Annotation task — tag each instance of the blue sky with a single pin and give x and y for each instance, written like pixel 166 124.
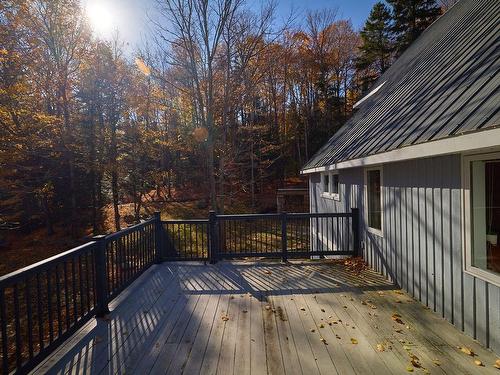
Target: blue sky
pixel 130 18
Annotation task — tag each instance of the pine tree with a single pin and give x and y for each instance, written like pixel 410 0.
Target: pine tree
pixel 411 18
pixel 377 43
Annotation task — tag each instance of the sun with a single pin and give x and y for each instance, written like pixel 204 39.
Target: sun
pixel 101 17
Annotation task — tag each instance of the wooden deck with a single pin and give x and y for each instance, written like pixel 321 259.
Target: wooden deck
pixel 258 318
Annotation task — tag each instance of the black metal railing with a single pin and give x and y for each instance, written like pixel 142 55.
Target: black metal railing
pixel 284 235
pixel 43 304
pixel 186 239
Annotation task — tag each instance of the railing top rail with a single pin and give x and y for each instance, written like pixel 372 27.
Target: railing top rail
pixel 277 215
pixel 189 221
pixel 125 231
pixel 20 274
pixel 325 214
pixel 246 216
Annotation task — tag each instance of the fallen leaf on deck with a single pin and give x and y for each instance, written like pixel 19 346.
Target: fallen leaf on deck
pixel 244 311
pixel 467 350
pixel 397 318
pixel 363 303
pixel 380 348
pixel 225 318
pixel 345 307
pixel 323 341
pixel 303 308
pixel 322 310
pixel 398 292
pixel 268 307
pixel 321 326
pixel 436 362
pixel 268 272
pixel 337 336
pixel 313 330
pixel 354 341
pixel 232 297
pixel 399 330
pixel 409 368
pixel 477 362
pixel 497 364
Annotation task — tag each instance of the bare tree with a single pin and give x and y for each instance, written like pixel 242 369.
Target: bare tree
pixel 191 31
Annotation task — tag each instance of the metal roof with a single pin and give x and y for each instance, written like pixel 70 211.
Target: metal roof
pixel 445 84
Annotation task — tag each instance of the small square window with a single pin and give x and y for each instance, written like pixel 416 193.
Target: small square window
pixel 330 185
pixel 326 183
pixel 334 189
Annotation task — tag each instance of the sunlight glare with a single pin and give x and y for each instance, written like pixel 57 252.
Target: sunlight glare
pixel 102 18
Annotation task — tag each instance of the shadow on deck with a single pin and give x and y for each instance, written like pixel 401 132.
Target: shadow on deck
pixel 257 318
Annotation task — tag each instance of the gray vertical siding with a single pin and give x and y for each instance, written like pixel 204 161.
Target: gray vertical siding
pixel 421 247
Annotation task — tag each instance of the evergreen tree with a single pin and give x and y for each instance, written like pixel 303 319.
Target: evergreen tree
pixel 377 44
pixel 411 18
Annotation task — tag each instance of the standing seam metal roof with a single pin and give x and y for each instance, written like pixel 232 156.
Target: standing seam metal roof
pixel 445 84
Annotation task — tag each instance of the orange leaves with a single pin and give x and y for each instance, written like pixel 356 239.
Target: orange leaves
pixel 141 65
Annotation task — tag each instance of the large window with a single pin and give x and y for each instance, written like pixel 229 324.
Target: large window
pixel 483 214
pixel 330 185
pixel 374 199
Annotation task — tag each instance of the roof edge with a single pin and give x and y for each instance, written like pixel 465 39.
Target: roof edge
pixel 477 140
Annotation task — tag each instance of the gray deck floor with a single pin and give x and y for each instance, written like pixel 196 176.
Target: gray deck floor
pixel 258 318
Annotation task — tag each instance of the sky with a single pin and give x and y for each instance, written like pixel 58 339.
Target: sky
pixel 130 17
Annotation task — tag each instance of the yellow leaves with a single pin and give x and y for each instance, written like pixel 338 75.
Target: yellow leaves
pixel 380 348
pixel 141 65
pixel 497 364
pixel 354 341
pixel 323 341
pixel 225 317
pixel 467 350
pixel 477 362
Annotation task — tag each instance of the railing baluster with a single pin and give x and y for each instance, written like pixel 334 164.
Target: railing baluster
pixel 49 305
pixel 3 328
pixel 73 290
pixel 39 311
pixel 19 350
pixel 80 279
pixel 58 301
pixel 66 295
pixel 87 281
pixel 29 316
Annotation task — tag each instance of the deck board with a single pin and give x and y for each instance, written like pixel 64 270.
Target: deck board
pixel 172 320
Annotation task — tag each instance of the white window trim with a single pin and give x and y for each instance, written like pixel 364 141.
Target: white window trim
pixel 328 195
pixel 378 232
pixel 468 268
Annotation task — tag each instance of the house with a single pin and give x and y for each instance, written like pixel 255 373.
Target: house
pixel 420 159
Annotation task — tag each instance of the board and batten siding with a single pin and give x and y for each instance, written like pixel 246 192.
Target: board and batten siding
pixel 421 246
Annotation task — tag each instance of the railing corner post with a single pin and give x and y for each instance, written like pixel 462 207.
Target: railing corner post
pixel 213 238
pixel 159 258
pixel 355 231
pixel 101 279
pixel 284 244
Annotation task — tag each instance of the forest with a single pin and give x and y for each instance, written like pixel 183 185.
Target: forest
pixel 220 105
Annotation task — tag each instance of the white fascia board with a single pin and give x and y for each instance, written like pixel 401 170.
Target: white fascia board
pixel 462 143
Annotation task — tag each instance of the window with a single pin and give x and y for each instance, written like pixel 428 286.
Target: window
pixel 374 200
pixel 482 193
pixel 330 185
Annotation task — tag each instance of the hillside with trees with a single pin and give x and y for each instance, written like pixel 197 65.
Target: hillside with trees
pixel 219 108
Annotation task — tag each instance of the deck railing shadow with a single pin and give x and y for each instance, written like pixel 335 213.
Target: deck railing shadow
pixel 267 279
